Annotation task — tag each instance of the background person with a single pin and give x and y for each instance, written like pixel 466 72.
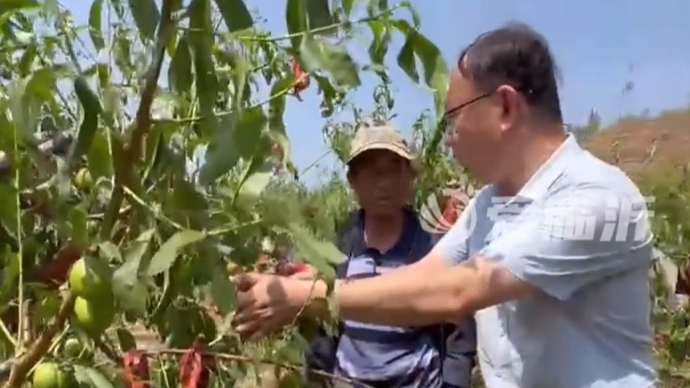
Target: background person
pixel 384 234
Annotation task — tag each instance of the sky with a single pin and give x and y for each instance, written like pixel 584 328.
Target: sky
pixel 600 47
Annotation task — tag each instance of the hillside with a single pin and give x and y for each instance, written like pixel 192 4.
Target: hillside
pixel 630 141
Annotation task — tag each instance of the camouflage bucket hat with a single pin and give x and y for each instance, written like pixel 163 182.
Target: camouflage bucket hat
pixel 379 138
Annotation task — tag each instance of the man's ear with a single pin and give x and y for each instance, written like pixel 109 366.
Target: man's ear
pixel 511 105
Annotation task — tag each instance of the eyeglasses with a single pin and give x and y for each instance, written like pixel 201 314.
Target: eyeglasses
pixel 451 113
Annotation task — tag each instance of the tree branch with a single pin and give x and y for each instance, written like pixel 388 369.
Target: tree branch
pixel 142 123
pixel 123 175
pixel 23 364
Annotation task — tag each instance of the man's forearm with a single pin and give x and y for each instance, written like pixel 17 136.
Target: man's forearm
pixel 405 297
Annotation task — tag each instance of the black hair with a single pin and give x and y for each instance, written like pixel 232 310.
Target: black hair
pixel 517 55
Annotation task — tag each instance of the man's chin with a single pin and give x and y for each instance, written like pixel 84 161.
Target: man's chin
pixel 384 208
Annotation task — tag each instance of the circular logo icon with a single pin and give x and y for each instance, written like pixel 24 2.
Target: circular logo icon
pixel 438 217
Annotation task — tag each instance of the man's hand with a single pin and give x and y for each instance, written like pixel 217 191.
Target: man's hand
pixel 297 270
pixel 267 303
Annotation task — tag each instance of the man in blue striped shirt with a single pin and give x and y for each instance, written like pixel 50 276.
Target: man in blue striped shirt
pixel 383 235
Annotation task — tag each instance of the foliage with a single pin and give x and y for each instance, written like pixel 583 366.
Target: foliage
pixel 95 163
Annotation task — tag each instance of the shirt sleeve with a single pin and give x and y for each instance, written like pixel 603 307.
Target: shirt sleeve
pixel 573 239
pixel 453 246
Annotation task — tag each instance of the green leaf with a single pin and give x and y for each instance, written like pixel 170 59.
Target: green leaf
pixel 130 296
pixel 319 14
pixel 134 266
pixel 201 45
pixel 252 187
pixel 167 253
pixel 240 70
pixel 223 290
pixel 17 5
pixel 416 19
pixel 126 340
pixel 128 283
pixel 109 251
pixel 27 60
pixel 95 30
pixel 330 97
pixel 112 105
pixel 247 132
pixel 180 70
pixel 276 110
pixel 24 106
pixel 296 20
pixel 10 273
pixel 322 255
pixel 146 17
pixel 318 55
pixel 347 6
pixel 91 377
pixel 235 14
pixel 219 158
pixel 41 88
pixel 92 109
pixel 406 58
pixel 435 70
pixel 100 161
pixel 380 43
pixel 9 212
pixel 435 67
pixel 80 234
pixel 231 143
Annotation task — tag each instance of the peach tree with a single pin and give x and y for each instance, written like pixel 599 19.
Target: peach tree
pixel 138 154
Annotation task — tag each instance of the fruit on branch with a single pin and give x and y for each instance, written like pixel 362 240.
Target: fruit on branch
pixel 94 316
pixel 195 367
pixel 136 369
pixel 83 179
pixel 55 272
pixel 302 79
pixel 290 269
pixel 73 348
pixel 49 375
pixel 89 278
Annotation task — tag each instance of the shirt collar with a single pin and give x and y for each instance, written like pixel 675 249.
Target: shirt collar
pixel 401 248
pixel 537 186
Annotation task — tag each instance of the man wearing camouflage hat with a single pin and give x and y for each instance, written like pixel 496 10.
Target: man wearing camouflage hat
pixel 383 234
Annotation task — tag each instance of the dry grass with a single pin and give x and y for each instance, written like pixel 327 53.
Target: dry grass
pixel 629 142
